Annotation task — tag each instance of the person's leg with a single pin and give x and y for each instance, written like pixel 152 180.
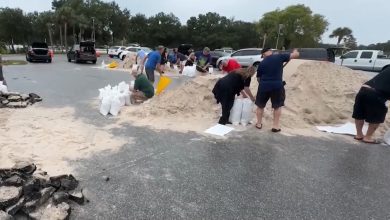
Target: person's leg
pixel 150 75
pixel 261 101
pixel 359 129
pixel 138 97
pixel 259 115
pixel 277 114
pixel 227 105
pixel 370 132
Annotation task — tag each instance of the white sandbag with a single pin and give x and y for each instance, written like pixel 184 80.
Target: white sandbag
pixel 122 86
pixel 105 105
pixel 211 70
pixel 132 85
pixel 189 71
pixel 247 114
pixel 236 112
pixel 122 98
pixel 115 105
pixel 3 88
pixel 387 137
pixel 127 98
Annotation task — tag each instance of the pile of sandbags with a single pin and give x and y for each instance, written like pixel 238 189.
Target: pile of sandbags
pixel 112 99
pixel 189 71
pixel 31 195
pixel 241 112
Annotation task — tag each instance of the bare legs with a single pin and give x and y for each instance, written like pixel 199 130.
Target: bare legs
pixel 277 114
pixel 370 131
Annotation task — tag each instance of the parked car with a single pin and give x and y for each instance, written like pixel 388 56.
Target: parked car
pixel 319 54
pixel 184 49
pixel 129 51
pixel 228 50
pixel 368 60
pixel 116 51
pixel 215 55
pixel 38 51
pixel 83 52
pixel 245 57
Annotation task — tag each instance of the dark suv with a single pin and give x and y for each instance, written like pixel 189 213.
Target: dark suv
pixel 38 52
pixel 83 52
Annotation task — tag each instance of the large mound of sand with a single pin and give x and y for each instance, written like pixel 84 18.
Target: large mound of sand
pixel 317 93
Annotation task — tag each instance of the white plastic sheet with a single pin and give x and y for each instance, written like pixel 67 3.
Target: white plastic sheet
pixel 386 138
pixel 219 130
pixel 247 113
pixel 3 88
pixel 347 128
pixel 236 112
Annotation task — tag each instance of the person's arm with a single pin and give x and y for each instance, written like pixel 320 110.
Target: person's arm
pixel 144 60
pixel 248 93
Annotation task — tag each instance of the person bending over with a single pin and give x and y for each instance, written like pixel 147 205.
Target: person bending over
pixel 271 85
pixel 143 88
pixel 191 60
pixel 226 89
pixel 370 106
pixel 152 60
pixel 204 60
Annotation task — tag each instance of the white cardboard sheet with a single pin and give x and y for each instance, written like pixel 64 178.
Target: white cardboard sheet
pixel 219 130
pixel 347 129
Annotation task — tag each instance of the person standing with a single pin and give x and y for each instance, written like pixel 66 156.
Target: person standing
pixel 226 89
pixel 153 63
pixel 370 106
pixel 141 54
pixel 271 85
pixel 204 60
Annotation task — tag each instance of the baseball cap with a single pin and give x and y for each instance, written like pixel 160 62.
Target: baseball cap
pixel 264 50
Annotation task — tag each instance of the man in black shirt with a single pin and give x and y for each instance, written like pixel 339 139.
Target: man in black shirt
pixel 370 105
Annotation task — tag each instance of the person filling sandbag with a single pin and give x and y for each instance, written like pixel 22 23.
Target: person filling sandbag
pixel 143 88
pixel 370 106
pixel 153 63
pixel 271 85
pixel 228 87
pixel 204 60
pixel 191 60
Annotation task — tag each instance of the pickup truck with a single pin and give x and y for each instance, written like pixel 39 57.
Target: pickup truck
pixel 367 60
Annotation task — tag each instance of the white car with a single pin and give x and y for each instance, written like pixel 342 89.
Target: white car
pixel 132 51
pixel 368 60
pixel 115 51
pixel 245 57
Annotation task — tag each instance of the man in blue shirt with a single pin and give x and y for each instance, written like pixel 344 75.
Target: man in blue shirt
pixel 153 63
pixel 271 85
pixel 204 60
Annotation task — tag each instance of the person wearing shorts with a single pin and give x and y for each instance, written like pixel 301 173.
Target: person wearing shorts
pixel 271 85
pixel 370 106
pixel 151 62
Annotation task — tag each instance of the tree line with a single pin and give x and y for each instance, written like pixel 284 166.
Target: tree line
pixel 71 21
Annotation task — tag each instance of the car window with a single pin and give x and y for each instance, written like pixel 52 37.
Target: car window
pixel 250 52
pixel 132 49
pixel 351 55
pixel 366 55
pixel 114 48
pixel 123 48
pixel 238 53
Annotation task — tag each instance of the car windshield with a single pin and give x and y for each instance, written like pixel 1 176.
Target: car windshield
pixel 114 48
pixel 39 45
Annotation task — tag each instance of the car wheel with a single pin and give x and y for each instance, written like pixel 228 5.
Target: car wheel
pixel 110 56
pixel 94 62
pixel 49 61
pixel 123 57
pixel 119 55
pixel 28 59
pixel 69 60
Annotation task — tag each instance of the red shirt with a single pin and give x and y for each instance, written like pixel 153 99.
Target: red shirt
pixel 231 66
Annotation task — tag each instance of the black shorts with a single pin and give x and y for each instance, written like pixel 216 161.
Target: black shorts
pixel 369 106
pixel 150 74
pixel 277 98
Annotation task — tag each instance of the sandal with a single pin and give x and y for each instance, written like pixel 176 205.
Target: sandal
pixel 358 139
pixel 259 127
pixel 276 130
pixel 371 142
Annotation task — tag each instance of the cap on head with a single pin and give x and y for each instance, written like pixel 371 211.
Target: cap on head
pixel 160 47
pixel 265 50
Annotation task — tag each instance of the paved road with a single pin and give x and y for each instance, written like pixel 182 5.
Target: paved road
pixel 170 175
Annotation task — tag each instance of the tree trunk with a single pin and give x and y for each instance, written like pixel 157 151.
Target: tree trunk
pixel 12 45
pixel 74 35
pixel 61 42
pixel 264 40
pixel 50 36
pixel 66 41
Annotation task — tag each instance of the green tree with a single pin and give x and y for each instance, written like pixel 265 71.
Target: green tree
pixel 165 29
pixel 341 33
pixel 14 26
pixel 298 25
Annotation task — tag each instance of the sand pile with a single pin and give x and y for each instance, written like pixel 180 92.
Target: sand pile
pixel 318 93
pixel 50 138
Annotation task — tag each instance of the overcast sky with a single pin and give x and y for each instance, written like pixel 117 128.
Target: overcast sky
pixel 367 18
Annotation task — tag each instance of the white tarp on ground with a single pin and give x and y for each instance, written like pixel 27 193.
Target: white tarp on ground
pixel 219 130
pixel 386 138
pixel 347 128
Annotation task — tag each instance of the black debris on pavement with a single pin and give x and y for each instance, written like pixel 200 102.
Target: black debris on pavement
pixel 16 100
pixel 23 192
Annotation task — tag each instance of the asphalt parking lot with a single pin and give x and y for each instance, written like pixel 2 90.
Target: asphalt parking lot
pixel 171 175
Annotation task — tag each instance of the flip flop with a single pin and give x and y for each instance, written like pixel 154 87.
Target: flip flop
pixel 276 130
pixel 259 127
pixel 358 139
pixel 371 142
